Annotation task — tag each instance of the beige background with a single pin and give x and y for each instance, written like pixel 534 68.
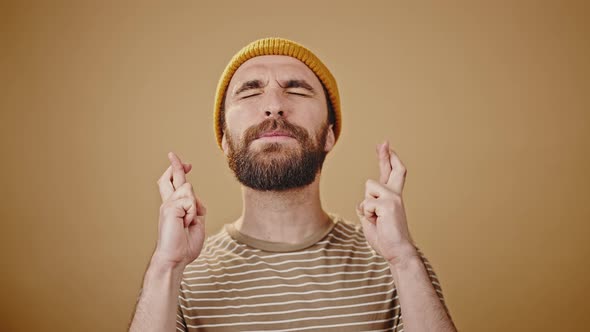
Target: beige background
pixel 487 104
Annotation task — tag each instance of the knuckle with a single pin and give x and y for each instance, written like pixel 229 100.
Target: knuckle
pixel 386 195
pixel 186 187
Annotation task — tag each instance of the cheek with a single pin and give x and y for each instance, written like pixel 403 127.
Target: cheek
pixel 313 116
pixel 238 120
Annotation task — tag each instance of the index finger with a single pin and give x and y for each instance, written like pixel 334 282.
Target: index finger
pixel 178 175
pixel 165 181
pixel 398 173
pixel 384 162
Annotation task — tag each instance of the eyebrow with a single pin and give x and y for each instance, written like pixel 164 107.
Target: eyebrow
pixel 257 84
pixel 249 85
pixel 299 84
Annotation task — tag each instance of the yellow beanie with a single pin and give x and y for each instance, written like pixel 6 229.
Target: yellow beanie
pixel 277 46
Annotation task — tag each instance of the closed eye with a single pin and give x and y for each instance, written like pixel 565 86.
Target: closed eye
pixel 299 94
pixel 252 95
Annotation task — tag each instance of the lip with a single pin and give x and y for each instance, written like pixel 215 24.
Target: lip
pixel 275 134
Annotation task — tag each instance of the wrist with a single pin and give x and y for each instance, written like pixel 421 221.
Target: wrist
pixel 405 256
pixel 404 265
pixel 159 264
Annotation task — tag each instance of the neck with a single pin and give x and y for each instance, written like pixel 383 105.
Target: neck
pixel 287 216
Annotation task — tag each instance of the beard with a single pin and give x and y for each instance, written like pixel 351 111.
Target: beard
pixel 277 166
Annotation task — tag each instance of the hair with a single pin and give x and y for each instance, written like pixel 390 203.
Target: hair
pixel 292 170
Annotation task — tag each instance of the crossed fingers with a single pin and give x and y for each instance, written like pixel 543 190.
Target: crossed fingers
pixel 381 196
pixel 173 177
pixel 392 170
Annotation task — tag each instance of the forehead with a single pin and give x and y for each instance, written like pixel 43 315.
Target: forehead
pixel 280 67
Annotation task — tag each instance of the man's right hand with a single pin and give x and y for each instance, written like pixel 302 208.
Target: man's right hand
pixel 181 227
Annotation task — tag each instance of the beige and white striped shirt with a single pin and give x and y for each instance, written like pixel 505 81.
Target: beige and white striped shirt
pixel 333 281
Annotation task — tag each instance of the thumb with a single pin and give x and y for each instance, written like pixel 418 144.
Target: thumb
pixel 359 210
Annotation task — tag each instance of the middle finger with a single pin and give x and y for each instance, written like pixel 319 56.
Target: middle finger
pixel 178 175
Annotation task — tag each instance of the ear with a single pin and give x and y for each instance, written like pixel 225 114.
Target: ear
pixel 224 144
pixel 330 139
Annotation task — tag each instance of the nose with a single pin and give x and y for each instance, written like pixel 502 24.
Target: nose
pixel 274 103
pixel 274 114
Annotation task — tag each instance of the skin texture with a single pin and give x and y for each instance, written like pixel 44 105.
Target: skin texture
pixel 286 216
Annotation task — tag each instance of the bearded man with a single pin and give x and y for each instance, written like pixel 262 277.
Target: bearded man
pixel 286 264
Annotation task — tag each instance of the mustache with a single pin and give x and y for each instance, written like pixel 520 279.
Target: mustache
pixel 273 124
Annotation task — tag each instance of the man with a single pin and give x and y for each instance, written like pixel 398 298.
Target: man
pixel 285 264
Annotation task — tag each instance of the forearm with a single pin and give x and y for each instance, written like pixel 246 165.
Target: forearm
pixel 421 307
pixel 157 305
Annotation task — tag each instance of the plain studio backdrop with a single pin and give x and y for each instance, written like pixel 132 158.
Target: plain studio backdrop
pixel 487 104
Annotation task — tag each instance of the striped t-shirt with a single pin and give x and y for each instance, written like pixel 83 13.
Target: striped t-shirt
pixel 332 281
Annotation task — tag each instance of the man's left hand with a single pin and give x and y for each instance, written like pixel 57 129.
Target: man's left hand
pixel 382 212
